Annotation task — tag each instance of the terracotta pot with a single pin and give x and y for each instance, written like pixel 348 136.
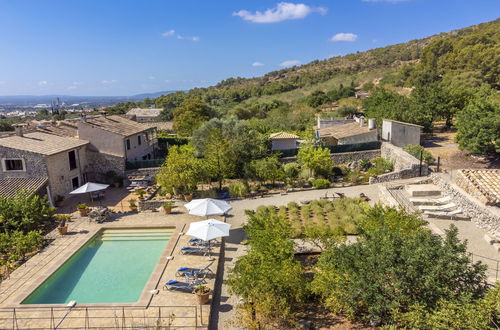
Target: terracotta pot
pixel 168 209
pixel 63 230
pixel 202 298
pixel 188 198
pixel 83 212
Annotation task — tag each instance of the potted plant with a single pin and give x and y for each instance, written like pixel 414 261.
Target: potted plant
pixel 63 226
pixel 132 204
pixel 83 209
pixel 140 193
pixel 167 206
pixel 202 293
pixel 58 200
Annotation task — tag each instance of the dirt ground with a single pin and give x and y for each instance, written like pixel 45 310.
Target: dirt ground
pixel 441 143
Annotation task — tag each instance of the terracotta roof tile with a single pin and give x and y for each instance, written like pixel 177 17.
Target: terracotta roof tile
pixel 342 131
pixel 283 135
pixel 117 124
pixel 41 143
pixel 10 186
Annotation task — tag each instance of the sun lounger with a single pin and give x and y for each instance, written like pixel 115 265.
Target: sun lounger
pixel 430 201
pixel 446 207
pixel 195 250
pixel 183 286
pixel 194 273
pixel 202 243
pixel 452 215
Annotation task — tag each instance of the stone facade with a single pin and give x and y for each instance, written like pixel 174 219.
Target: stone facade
pixel 405 165
pixel 479 214
pixel 343 157
pixel 35 165
pixel 54 167
pixel 150 205
pixel 102 162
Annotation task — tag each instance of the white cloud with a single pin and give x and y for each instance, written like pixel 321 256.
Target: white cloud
pixel 289 63
pixel 173 33
pixel 282 12
pixel 109 82
pixel 43 83
pixel 256 64
pixel 344 37
pixel 168 33
pixel 151 77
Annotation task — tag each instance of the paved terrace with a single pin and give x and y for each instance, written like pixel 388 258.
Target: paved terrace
pixel 25 279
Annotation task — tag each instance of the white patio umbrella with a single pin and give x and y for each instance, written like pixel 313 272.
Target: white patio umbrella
pixel 207 207
pixel 89 188
pixel 208 229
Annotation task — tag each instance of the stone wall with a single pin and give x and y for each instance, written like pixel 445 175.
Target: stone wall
pixel 405 165
pixel 35 164
pixel 101 163
pixel 343 157
pixel 479 214
pixel 150 205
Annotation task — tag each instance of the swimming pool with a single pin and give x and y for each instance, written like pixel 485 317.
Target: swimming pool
pixel 112 267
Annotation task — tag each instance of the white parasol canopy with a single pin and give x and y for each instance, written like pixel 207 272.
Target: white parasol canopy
pixel 208 229
pixel 89 187
pixel 207 207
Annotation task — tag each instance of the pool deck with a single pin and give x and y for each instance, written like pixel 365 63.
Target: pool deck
pixel 177 308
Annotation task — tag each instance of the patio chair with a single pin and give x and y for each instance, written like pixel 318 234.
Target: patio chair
pixel 200 242
pixel 452 215
pixel 430 201
pixel 195 273
pixel 183 286
pixel 204 250
pixel 446 207
pixel 364 197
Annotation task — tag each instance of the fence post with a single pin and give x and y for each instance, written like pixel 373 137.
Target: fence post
pixel 439 162
pixel 52 321
pixel 496 276
pixel 123 317
pixel 420 166
pixel 14 319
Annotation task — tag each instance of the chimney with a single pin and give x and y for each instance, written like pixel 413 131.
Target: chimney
pixel 19 129
pixel 361 122
pixel 371 124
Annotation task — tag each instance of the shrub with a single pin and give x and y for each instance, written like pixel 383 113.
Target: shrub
pixel 381 275
pixel 321 184
pixel 381 166
pixel 415 151
pixel 238 189
pixel 81 206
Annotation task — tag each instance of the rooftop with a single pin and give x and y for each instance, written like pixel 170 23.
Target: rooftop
pixel 117 124
pixel 487 182
pixel 10 186
pixel 144 112
pixel 41 143
pixel 283 135
pixel 61 128
pixel 342 131
pixel 403 123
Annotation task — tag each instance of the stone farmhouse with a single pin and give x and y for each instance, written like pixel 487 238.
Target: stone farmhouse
pixel 69 154
pixel 144 115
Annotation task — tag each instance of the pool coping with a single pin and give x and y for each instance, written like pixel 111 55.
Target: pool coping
pixel 147 293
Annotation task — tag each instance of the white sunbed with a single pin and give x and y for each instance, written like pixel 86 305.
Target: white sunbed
pixel 446 207
pixel 455 214
pixel 430 201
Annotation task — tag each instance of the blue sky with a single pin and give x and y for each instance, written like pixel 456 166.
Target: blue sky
pixel 124 47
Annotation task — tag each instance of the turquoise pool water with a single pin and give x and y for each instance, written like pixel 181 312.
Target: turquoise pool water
pixel 113 267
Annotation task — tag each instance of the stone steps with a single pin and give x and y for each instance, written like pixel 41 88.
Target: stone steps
pixel 422 190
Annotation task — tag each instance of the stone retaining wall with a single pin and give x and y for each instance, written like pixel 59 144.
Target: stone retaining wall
pixel 405 165
pixel 150 205
pixel 479 214
pixel 343 157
